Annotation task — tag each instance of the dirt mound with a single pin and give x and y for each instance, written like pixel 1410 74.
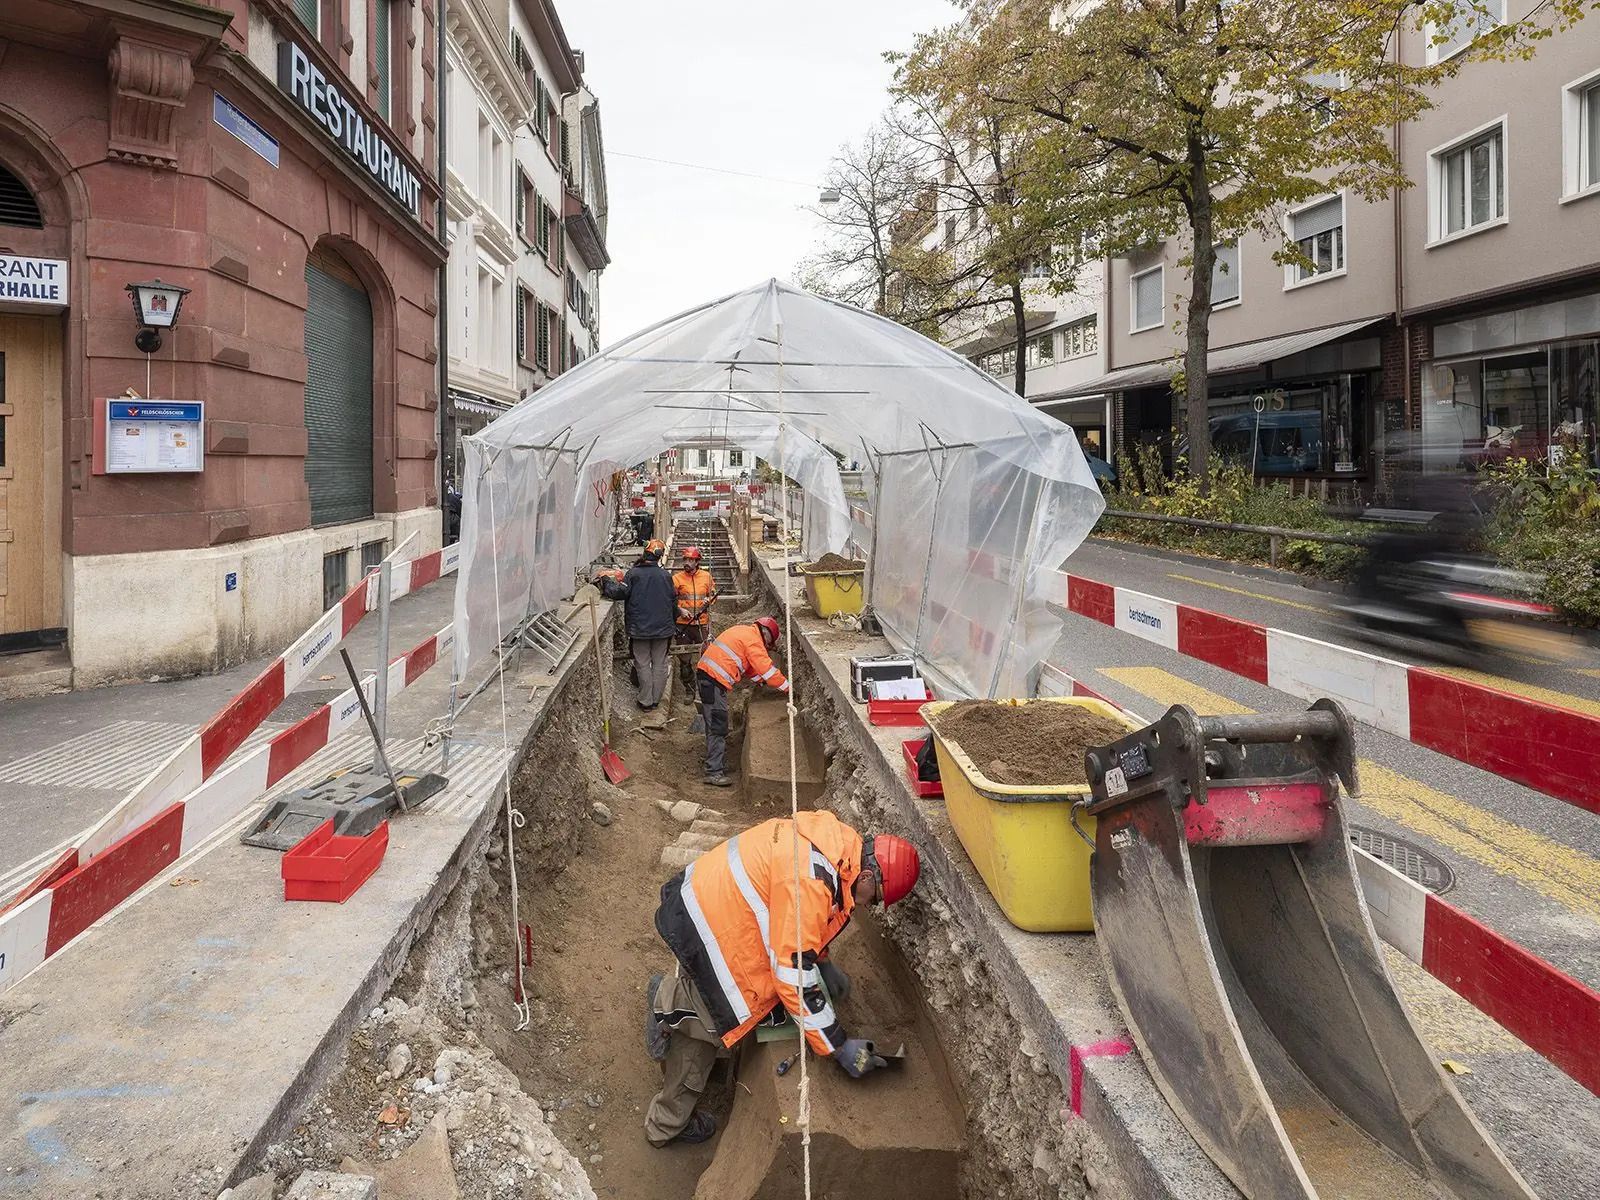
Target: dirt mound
pixel 835 562
pixel 1027 745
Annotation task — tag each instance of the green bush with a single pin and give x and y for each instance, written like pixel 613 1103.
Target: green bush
pixel 1232 495
pixel 1546 520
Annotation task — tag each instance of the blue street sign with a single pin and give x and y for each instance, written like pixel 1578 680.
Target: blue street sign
pixel 230 581
pixel 243 128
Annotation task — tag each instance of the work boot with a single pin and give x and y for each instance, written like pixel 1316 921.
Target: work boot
pixel 701 1127
pixel 718 781
pixel 656 1034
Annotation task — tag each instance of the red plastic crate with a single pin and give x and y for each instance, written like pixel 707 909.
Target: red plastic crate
pixel 326 867
pixel 897 712
pixel 921 786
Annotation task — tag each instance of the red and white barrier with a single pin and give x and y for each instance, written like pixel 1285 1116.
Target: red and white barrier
pixel 198 758
pixel 1555 1014
pixel 64 903
pixel 1552 1012
pixel 1553 750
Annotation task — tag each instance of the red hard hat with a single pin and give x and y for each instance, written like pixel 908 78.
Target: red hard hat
pixel 898 865
pixel 655 546
pixel 692 554
pixel 769 630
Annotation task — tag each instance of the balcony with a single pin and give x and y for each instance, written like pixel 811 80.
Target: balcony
pixel 584 232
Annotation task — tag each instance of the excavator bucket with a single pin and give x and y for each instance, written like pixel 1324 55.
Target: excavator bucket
pixel 1239 947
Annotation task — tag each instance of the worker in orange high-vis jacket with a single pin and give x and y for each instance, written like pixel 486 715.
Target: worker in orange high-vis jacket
pixel 696 592
pixel 751 939
pixel 738 652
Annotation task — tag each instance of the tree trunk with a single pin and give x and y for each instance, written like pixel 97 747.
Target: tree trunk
pixel 1019 314
pixel 1197 342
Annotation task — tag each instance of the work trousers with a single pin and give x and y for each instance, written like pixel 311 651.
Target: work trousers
pixel 650 664
pixel 689 635
pixel 714 708
pixel 692 1050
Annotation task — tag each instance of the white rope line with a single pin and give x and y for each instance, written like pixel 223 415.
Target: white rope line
pixel 514 819
pixel 794 783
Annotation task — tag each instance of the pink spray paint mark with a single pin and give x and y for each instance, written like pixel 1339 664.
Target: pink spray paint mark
pixel 1110 1048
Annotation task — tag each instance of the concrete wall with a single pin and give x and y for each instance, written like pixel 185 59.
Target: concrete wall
pixel 164 613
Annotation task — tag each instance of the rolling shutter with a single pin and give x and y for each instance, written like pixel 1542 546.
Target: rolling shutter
pixel 338 394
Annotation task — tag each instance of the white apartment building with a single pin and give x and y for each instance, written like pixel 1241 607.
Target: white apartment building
pixel 525 207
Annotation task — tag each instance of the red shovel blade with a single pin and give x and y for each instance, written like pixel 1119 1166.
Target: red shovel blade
pixel 613 766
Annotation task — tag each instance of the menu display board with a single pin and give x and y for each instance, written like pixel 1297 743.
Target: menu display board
pixel 150 436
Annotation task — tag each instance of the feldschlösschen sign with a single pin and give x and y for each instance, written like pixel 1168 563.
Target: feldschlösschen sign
pixel 339 118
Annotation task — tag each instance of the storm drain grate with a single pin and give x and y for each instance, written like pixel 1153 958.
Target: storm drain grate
pixel 1408 858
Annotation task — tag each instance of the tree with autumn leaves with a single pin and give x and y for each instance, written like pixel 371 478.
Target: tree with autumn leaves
pixel 1147 120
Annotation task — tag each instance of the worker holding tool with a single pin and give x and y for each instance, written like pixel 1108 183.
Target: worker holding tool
pixel 740 651
pixel 730 920
pixel 650 609
pixel 696 592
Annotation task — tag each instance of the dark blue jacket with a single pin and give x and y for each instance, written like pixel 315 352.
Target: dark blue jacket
pixel 651 604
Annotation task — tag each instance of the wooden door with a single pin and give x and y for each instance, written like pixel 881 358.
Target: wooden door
pixel 30 475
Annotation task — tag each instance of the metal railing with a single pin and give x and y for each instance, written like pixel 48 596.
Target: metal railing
pixel 1273 533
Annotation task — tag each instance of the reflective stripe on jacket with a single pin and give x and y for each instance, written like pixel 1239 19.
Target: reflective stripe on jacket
pixel 695 593
pixel 738 653
pixel 729 917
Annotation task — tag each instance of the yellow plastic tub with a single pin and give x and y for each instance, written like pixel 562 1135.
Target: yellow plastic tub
pixel 1021 838
pixel 830 592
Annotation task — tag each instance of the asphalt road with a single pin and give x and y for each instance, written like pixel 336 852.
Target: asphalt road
pixel 1526 864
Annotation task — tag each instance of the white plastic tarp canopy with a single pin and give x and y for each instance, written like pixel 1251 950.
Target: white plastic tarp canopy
pixel 978 497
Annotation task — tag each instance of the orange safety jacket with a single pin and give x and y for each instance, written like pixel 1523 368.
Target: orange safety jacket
pixel 695 594
pixel 740 652
pixel 729 917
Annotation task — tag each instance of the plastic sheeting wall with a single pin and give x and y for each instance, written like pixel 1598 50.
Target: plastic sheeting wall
pixel 978 496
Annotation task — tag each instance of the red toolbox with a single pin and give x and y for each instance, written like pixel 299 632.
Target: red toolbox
pixel 897 712
pixel 327 867
pixel 927 790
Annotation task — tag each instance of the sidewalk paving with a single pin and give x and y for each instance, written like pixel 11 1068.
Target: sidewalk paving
pixel 154 1055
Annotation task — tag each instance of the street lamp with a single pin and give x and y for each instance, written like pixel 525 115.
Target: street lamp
pixel 155 307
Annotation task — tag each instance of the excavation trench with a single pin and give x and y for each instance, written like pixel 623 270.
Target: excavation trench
pixel 539 1102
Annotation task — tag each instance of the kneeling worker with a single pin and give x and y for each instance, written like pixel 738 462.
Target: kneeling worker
pixel 740 651
pixel 729 918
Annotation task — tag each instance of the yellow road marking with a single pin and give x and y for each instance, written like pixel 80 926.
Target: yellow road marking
pixel 1591 672
pixel 1531 691
pixel 1222 587
pixel 1567 876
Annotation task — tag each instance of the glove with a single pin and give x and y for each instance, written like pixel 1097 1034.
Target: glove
pixel 857 1058
pixel 837 981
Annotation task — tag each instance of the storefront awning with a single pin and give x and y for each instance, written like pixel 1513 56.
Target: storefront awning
pixel 1246 356
pixel 473 403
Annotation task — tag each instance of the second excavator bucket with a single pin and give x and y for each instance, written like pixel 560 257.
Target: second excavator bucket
pixel 1232 926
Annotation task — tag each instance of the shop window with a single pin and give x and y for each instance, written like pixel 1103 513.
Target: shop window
pixel 1581 136
pixel 1317 232
pixel 1575 397
pixel 1467 181
pixel 1225 276
pixel 1445 41
pixel 17 205
pixel 1148 289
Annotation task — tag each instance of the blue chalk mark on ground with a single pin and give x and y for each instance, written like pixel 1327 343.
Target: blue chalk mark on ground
pixel 119 1091
pixel 47 1144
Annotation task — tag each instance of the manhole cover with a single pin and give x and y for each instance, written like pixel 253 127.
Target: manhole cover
pixel 298 705
pixel 1408 858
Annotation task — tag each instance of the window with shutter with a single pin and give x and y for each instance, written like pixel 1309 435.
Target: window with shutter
pixel 541 228
pixel 522 325
pixel 541 337
pixel 310 14
pixel 338 409
pixel 382 22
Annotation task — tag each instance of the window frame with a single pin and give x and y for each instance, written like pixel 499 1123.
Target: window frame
pixel 383 28
pixel 1292 277
pixel 1160 269
pixel 1438 232
pixel 1435 54
pixel 1236 274
pixel 1574 142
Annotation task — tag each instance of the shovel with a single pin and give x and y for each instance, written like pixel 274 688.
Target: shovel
pixel 610 761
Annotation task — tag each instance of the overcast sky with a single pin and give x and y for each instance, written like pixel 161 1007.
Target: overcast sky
pixel 767 87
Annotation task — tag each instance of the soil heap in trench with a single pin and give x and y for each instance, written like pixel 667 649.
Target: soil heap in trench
pixel 1027 745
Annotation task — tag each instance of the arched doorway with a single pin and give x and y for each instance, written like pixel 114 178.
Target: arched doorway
pixel 338 391
pixel 31 611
